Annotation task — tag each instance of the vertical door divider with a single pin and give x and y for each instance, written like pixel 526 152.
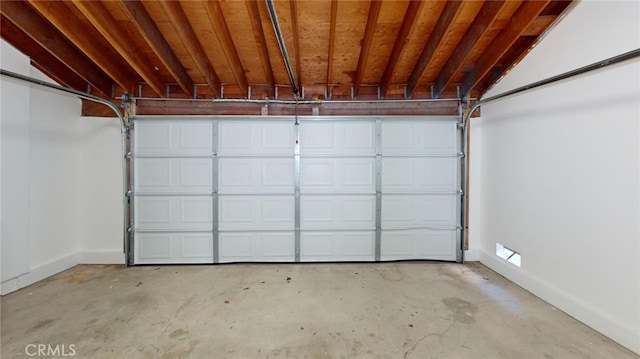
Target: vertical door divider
pixel 296 181
pixel 378 181
pixel 214 192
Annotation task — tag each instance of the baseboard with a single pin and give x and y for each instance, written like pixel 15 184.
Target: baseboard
pixel 625 335
pixel 58 265
pixel 101 257
pixel 39 273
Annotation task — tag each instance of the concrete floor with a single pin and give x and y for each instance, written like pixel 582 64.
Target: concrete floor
pixel 382 310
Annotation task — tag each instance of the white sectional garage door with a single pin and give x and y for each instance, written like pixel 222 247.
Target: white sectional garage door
pixel 221 189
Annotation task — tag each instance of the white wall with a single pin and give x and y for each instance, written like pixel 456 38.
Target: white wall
pixel 559 172
pixel 101 238
pixel 60 203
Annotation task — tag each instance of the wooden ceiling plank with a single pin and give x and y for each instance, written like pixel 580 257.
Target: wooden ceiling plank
pixel 105 23
pixel 332 45
pixel 58 14
pixel 524 16
pixel 370 29
pixel 42 32
pixel 478 28
pixel 261 42
pixel 295 30
pixel 40 57
pixel 445 21
pixel 183 27
pixel 148 29
pixel 406 29
pixel 222 30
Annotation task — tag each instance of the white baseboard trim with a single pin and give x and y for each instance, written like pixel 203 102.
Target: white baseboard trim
pixel 39 273
pixel 622 333
pixel 58 265
pixel 101 257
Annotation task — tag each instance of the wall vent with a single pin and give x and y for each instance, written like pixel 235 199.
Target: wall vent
pixel 508 254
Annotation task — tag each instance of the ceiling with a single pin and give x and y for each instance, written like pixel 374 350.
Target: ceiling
pixel 337 50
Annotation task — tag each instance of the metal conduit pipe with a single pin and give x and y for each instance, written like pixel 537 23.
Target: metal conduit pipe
pixel 298 102
pixel 123 130
pixel 467 118
pixel 283 48
pixel 83 95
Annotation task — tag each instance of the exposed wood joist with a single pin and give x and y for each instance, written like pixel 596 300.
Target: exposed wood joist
pixel 332 45
pixel 339 50
pixel 478 28
pixel 261 43
pixel 41 31
pixel 148 29
pixel 104 22
pixel 408 23
pixel 226 41
pixel 58 14
pixel 524 16
pixel 55 69
pixel 296 41
pixel 183 27
pixel 443 25
pixel 370 29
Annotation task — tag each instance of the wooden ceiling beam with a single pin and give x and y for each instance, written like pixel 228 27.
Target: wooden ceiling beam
pixel 58 14
pixel 295 31
pixel 524 16
pixel 445 21
pixel 42 32
pixel 261 43
pixel 406 29
pixel 183 27
pixel 105 23
pixel 476 30
pixel 370 29
pixel 148 29
pixel 332 44
pixel 40 57
pixel 228 47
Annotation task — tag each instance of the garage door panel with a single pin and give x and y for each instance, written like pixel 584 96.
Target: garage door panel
pixel 173 213
pixel 337 246
pixel 257 247
pixel 342 175
pixel 235 183
pixel 411 175
pixel 418 244
pixel 251 175
pixel 337 212
pixel 177 175
pixel 337 138
pixel 256 212
pixel 174 248
pixel 256 138
pixel 419 137
pixel 175 138
pixel 411 211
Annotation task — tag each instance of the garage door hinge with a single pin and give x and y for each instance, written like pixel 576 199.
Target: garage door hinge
pixel 129 155
pixel 461 154
pixel 460 191
pixel 130 230
pixel 129 193
pixel 460 125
